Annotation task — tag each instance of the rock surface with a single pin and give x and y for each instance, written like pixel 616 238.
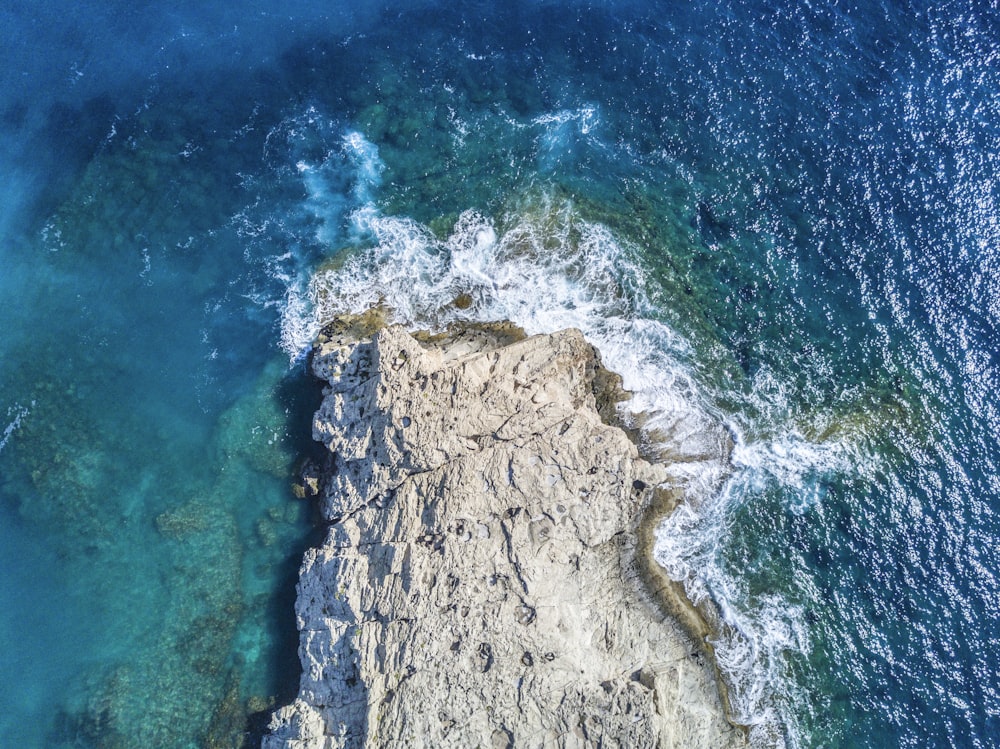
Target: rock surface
pixel 478 585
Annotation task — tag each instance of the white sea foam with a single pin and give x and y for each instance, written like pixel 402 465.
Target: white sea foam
pixel 16 414
pixel 368 167
pixel 544 269
pixel 562 129
pixel 339 171
pixel 790 461
pixel 585 118
pixel 756 640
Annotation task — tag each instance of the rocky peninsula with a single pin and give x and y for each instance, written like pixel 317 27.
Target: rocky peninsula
pixel 483 582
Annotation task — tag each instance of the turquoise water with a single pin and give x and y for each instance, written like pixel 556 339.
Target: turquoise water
pixel 778 218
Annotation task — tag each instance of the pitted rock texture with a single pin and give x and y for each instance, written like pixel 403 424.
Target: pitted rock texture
pixel 478 584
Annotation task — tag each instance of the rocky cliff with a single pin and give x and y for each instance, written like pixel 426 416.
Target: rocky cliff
pixel 479 583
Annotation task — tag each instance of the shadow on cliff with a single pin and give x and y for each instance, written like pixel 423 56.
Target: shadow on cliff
pixel 301 394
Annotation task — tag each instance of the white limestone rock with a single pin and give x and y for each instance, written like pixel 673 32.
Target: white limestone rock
pixel 478 583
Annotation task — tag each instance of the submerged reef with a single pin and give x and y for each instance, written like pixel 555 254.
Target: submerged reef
pixel 483 581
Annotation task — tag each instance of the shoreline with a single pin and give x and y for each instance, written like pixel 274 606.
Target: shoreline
pixel 653 583
pixel 669 596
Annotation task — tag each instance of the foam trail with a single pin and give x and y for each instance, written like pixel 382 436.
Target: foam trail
pixel 19 413
pixel 336 180
pixel 562 129
pixel 368 166
pixel 339 182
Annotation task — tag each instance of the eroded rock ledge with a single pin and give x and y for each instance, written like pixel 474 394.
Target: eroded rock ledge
pixel 478 585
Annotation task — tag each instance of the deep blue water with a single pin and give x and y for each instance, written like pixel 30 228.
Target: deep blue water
pixel 779 217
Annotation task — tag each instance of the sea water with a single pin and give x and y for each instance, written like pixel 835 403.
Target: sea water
pixel 777 219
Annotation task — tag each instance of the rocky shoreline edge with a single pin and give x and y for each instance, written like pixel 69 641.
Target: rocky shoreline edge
pixel 487 578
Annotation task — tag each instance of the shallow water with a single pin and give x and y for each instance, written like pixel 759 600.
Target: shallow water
pixel 780 220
